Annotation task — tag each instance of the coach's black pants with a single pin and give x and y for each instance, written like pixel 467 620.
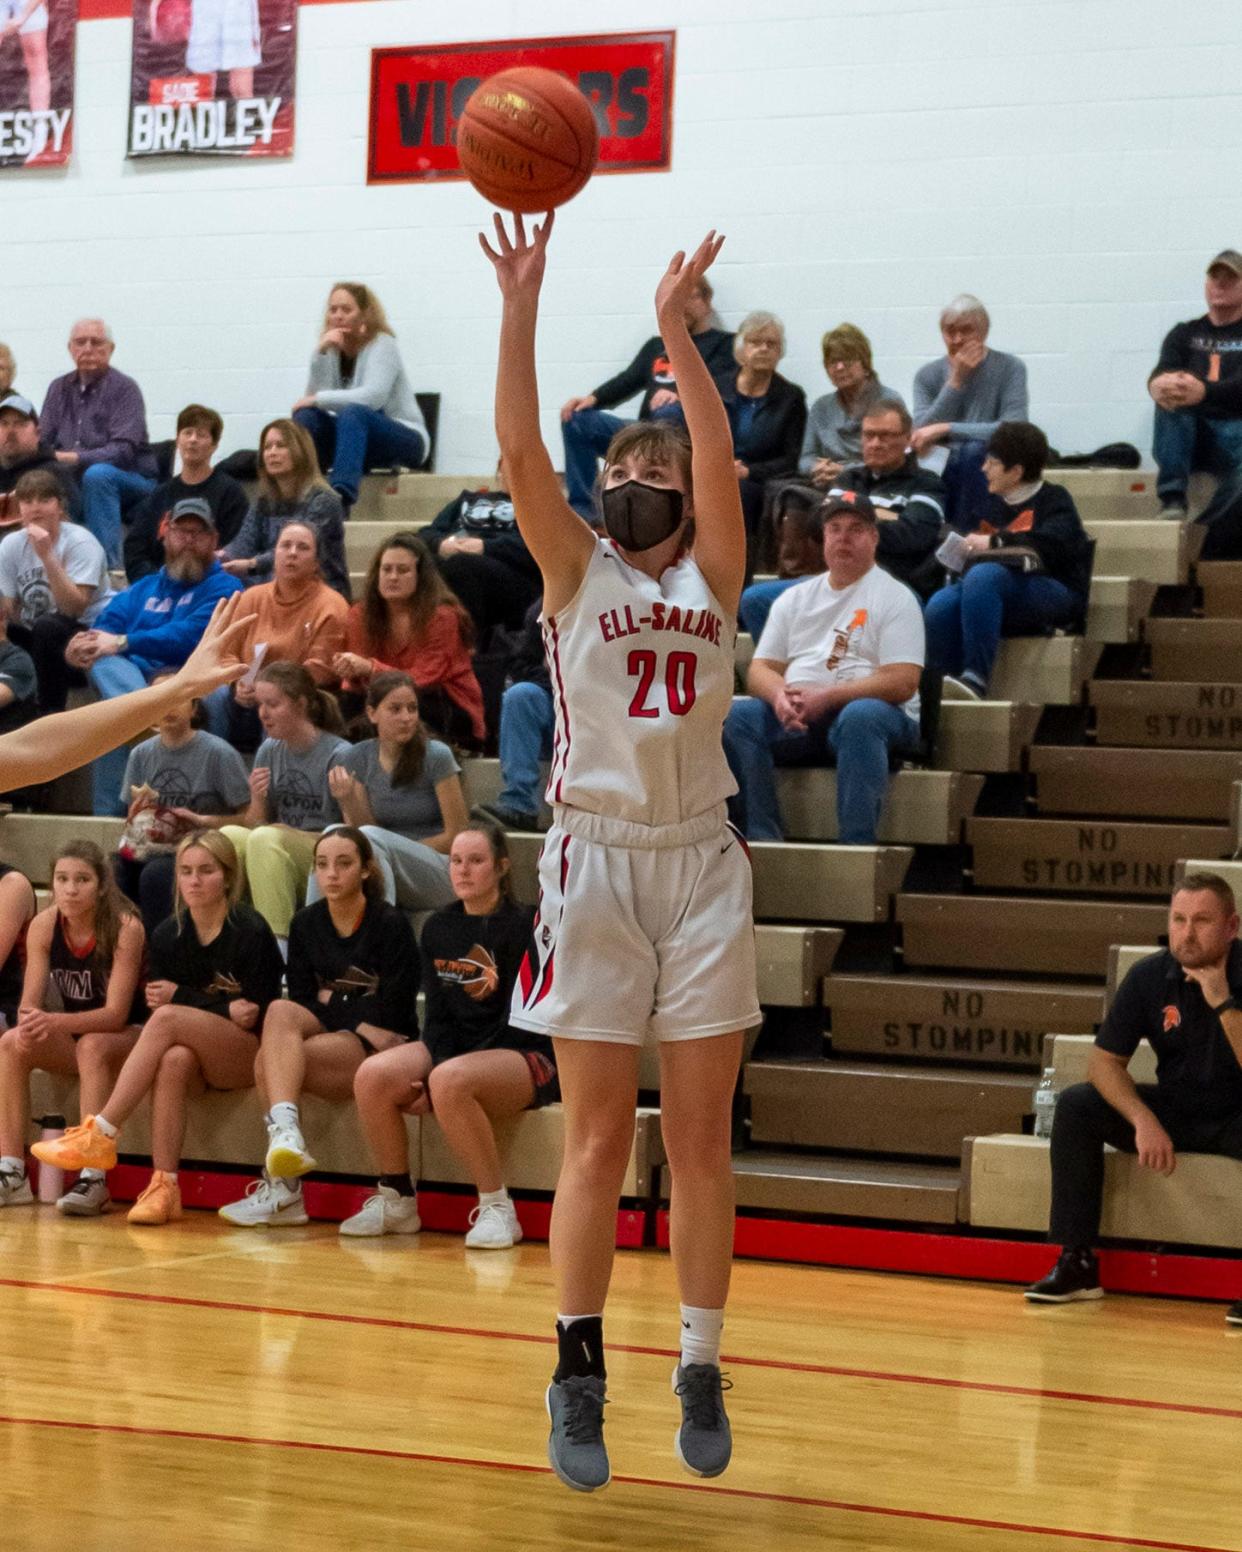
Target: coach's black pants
pixel 1085 1122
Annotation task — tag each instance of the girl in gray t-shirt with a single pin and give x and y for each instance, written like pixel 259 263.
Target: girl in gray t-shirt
pixel 290 801
pixel 403 790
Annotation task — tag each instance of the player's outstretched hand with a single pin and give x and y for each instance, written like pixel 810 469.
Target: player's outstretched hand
pixel 519 261
pixel 681 279
pixel 214 661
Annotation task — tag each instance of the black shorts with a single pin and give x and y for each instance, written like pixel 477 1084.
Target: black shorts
pixel 543 1075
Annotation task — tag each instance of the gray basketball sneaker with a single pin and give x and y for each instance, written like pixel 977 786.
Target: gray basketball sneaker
pixel 576 1442
pixel 704 1441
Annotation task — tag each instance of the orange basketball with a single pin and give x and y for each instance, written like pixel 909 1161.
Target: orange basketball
pixel 527 139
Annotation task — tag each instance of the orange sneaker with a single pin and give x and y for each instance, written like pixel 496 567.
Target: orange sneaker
pixel 159 1203
pixel 81 1147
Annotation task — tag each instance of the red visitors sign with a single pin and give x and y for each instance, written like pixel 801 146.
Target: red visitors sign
pixel 418 94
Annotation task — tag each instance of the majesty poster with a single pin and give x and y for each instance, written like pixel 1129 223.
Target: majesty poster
pixel 37 39
pixel 212 77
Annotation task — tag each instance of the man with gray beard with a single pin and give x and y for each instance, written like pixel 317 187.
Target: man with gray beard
pixel 152 626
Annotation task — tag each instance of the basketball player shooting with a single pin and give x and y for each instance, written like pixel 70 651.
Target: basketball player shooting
pixel 644 923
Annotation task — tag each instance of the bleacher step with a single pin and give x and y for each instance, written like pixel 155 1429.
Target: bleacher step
pixel 987 735
pixel 1168 714
pixel 1153 549
pixel 858 1188
pixel 1135 783
pixel 1221 581
pixel 1117 608
pixel 1195 649
pixel 1047 670
pixel 1090 858
pixel 1018 934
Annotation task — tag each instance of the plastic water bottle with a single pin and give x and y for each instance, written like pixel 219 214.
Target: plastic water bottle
pixel 51 1180
pixel 1045 1103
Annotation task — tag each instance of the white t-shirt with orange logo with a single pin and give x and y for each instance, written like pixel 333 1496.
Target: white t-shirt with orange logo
pixel 826 635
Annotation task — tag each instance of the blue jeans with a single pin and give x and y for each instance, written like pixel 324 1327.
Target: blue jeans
pixel 113 676
pixel 966 489
pixel 107 493
pixel 1183 440
pixel 862 736
pixel 757 600
pixel 527 720
pixel 966 620
pixel 356 439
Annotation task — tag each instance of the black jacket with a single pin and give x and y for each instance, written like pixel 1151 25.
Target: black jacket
pixel 774 443
pixel 43 457
pixel 371 975
pixel 143 550
pixel 1212 353
pixel 486 515
pixel 916 498
pixel 1050 525
pixel 650 370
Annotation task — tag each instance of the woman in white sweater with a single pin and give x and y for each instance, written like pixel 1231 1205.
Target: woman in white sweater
pixel 359 407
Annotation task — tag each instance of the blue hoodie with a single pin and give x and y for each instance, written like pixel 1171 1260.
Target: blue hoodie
pixel 163 618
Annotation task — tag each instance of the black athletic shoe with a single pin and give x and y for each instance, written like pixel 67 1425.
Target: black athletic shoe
pixel 507 818
pixel 1233 1315
pixel 1075 1276
pixel 576 1442
pixel 704 1441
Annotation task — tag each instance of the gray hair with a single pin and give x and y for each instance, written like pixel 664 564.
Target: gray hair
pixel 107 332
pixel 753 321
pixel 963 307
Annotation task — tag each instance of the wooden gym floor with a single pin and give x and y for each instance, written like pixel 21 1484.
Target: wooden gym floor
pixel 215 1390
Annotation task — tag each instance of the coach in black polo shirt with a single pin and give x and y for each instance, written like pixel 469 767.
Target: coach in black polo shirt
pixel 1187 1001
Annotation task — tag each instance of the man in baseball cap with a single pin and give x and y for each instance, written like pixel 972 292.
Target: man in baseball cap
pixel 1197 389
pixel 21 450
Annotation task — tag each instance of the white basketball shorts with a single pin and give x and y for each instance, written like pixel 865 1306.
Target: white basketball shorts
pixel 224 35
pixel 632 939
pixel 10 10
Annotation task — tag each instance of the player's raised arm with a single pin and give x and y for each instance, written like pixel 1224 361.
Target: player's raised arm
pixel 720 532
pixel 554 533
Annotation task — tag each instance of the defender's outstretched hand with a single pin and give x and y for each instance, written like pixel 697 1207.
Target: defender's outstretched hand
pixel 681 279
pixel 214 660
pixel 519 261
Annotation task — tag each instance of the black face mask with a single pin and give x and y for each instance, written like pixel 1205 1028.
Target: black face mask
pixel 638 516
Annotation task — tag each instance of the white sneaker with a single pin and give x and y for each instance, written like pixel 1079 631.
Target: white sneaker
pixel 267 1201
pixel 287 1157
pixel 387 1212
pixel 87 1199
pixel 495 1227
pixel 15 1188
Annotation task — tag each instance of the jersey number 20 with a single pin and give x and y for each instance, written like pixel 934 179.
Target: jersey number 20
pixel 678 681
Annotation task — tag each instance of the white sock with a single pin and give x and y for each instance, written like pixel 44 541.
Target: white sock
pixel 494 1198
pixel 12 1165
pixel 106 1127
pixel 284 1114
pixel 700 1335
pixel 92 1174
pixel 283 945
pixel 568 1320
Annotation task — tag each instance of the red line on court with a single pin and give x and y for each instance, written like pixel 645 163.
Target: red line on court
pixel 926 1516
pixel 736 1360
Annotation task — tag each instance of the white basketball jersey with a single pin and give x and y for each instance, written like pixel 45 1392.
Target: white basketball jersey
pixel 642 679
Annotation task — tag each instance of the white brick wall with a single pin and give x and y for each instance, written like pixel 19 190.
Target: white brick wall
pixel 1073 163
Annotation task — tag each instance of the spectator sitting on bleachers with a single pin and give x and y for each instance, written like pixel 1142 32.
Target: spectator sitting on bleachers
pixel 409 618
pixel 17 906
pixel 290 486
pixel 833 435
pixel 527 722
pixel 201 783
pixel 483 557
pixel 403 791
pixel 21 451
pixel 152 625
pixel 353 990
pixel 95 419
pixel 586 426
pixel 1185 1000
pixel 290 801
pixel 214 970
pixel 797 539
pixel 471 1068
pixel 199 430
pixel 359 407
pixel 53 581
pixel 960 400
pixel 767 413
pixel 19 684
pixel 1025 563
pixel 294 618
pixel 836 671
pixel 87 947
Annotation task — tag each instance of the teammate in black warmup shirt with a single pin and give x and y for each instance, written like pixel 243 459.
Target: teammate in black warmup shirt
pixel 215 967
pixel 471 1067
pixel 88 945
pixel 353 983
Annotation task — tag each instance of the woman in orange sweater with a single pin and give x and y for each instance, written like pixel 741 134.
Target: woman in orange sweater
pixel 295 618
pixel 410 619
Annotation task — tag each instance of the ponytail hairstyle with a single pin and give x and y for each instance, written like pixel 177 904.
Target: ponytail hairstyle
pixel 498 845
pixel 222 849
pixel 293 681
pixel 413 756
pixel 372 884
pixel 111 906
